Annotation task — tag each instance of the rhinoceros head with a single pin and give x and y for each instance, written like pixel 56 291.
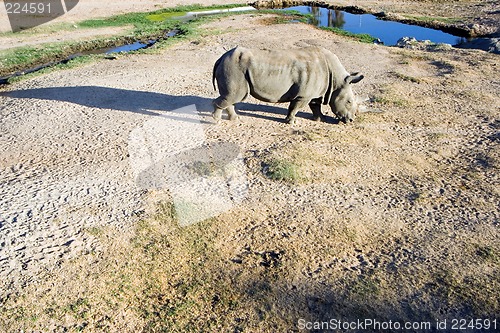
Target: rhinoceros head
pixel 343 102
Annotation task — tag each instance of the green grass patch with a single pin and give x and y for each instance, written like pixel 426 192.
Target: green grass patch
pixel 29 54
pixel 135 19
pixel 179 11
pixel 449 20
pixel 282 170
pixel 23 58
pixel 295 15
pixel 364 38
pixel 141 19
pixel 165 16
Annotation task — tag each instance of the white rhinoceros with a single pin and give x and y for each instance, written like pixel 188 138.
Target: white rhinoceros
pixel 308 76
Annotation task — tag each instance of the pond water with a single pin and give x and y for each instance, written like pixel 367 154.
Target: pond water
pixel 138 44
pixel 388 32
pixel 129 47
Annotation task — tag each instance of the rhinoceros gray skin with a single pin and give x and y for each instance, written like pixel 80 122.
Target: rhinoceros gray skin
pixel 307 76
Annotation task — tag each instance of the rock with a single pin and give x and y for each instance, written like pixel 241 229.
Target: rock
pixel 407 42
pixel 486 44
pixel 414 44
pixel 479 30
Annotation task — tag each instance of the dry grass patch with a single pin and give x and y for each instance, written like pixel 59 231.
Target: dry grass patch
pixel 164 278
pixel 154 278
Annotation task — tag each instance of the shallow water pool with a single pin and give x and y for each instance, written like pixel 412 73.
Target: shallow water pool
pixel 388 32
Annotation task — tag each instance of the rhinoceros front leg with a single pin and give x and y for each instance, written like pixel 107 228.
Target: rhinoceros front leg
pixel 217 114
pixel 316 110
pixel 231 112
pixel 293 108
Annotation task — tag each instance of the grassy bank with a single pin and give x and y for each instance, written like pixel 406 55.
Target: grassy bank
pixel 138 26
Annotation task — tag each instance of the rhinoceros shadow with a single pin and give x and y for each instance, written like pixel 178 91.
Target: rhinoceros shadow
pixel 144 102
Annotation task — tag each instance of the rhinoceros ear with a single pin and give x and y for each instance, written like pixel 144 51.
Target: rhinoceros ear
pixel 353 78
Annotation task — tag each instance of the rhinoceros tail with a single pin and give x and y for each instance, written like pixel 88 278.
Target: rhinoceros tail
pixel 217 63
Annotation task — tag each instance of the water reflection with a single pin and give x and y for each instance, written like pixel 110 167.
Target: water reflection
pixel 388 32
pixel 334 18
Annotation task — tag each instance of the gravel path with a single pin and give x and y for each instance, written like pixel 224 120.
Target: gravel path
pixel 64 170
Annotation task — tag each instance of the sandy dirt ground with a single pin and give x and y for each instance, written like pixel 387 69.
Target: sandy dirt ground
pixel 55 37
pixel 416 185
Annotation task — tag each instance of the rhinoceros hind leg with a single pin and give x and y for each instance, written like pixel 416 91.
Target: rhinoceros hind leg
pixel 219 104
